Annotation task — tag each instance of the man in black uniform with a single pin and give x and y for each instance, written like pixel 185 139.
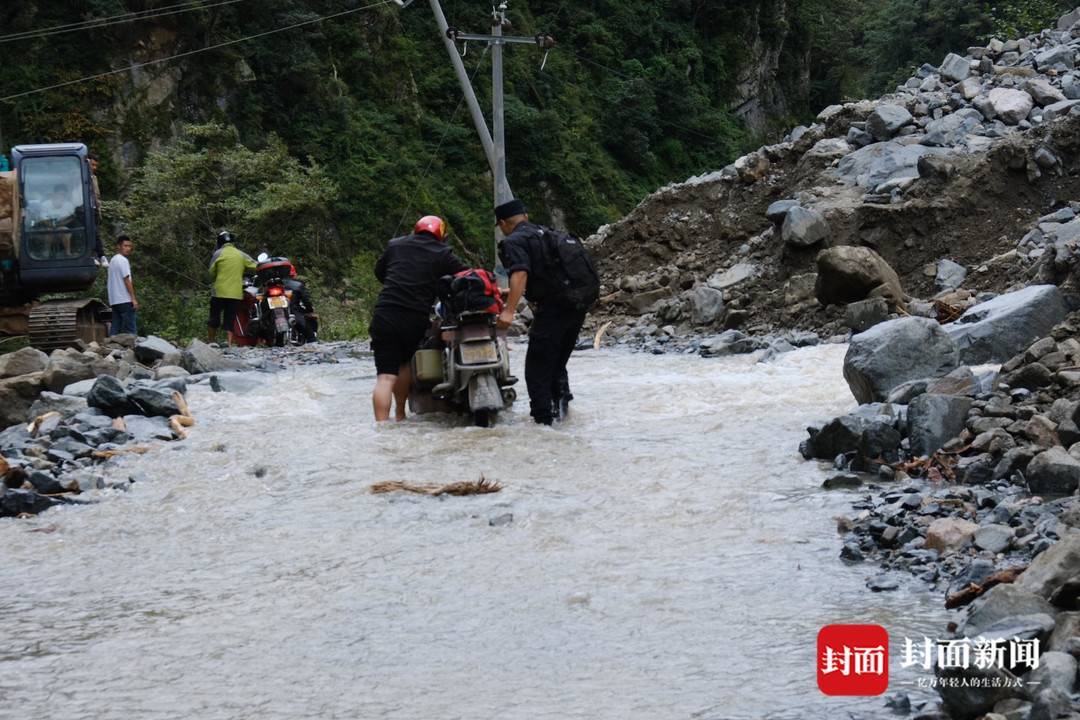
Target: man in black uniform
pixel 555 326
pixel 409 271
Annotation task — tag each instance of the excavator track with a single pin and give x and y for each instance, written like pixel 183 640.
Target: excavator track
pixel 57 324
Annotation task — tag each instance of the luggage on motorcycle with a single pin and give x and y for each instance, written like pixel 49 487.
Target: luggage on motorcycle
pixel 427 367
pixel 473 290
pixel 574 281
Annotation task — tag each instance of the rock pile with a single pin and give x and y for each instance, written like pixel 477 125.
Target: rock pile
pixel 67 412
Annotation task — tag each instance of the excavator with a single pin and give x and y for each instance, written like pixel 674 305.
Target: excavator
pixel 48 231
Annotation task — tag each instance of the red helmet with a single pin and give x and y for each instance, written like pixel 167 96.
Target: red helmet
pixel 432 224
pixel 292 270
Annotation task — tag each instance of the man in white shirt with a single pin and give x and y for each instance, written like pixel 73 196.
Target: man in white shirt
pixel 121 290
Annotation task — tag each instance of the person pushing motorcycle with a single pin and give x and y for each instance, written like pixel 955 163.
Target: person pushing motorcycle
pixel 409 270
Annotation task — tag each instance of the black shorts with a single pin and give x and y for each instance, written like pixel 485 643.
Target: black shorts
pixel 223 312
pixel 395 336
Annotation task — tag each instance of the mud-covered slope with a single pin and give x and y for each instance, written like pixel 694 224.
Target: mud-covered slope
pixel 959 164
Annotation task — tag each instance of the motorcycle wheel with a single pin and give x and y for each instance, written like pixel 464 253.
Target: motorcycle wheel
pixel 281 339
pixel 483 418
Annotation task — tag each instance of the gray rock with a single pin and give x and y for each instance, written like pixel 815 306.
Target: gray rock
pixel 1053 472
pixel 236 382
pixel 706 305
pixel 1043 92
pixel 934 420
pixel 886 120
pixel 865 314
pixel 779 210
pixel 1057 55
pixel 881 162
pixel 950 275
pixel 955 68
pixel 734 275
pixel 1056 671
pixel 996 330
pixel 1069 19
pixel 66 405
pixel 17 394
pixel 847 274
pixel 1001 602
pixel 169 372
pixel 16 502
pixel 153 403
pixel 201 358
pixel 894 352
pixel 150 349
pixel 960 381
pixel 63 370
pixel 950 130
pixel 850 433
pixel 1070 86
pixel 1052 568
pixel 23 362
pixel 976 692
pixel 1010 106
pixel 994 538
pixel 804 227
pixel 729 342
pixel 1024 627
pixel 109 395
pixel 145 429
pixel 1050 704
pixel 79 389
pixel 1059 109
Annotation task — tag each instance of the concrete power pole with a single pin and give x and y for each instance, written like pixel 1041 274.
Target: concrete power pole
pixel 494 143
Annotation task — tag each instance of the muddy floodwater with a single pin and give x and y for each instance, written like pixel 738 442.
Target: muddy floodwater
pixel 669 555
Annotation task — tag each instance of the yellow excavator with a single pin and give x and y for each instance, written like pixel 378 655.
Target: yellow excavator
pixel 48 237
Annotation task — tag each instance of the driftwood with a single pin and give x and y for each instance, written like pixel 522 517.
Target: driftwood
pixel 973 591
pixel 482 486
pixel 939 466
pixel 181 403
pixel 600 335
pixel 107 454
pixel 35 425
pixel 946 313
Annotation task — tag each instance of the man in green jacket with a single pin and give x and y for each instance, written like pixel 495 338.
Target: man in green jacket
pixel 227 269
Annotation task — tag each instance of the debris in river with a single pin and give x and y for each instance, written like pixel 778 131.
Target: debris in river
pixel 482 486
pixel 975 590
pixel 109 454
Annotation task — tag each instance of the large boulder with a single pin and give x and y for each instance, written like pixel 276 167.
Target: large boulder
pixel 66 405
pixel 998 329
pixel 875 164
pixel 152 402
pixel 150 349
pixel 17 394
pixel 67 368
pixel 1008 105
pixel 110 396
pixel 847 274
pixel 1053 472
pixel 201 358
pixel 1001 602
pixel 934 420
pixel 886 120
pixel 951 129
pixel 1053 567
pixel 948 534
pixel 895 352
pixel 1057 55
pixel 955 68
pixel 706 305
pixel 804 227
pixel 874 432
pixel 23 362
pixel 1043 92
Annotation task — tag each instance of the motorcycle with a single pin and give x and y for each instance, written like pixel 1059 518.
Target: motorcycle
pixel 464 366
pixel 276 308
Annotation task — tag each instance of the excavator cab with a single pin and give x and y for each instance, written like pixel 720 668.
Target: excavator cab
pixel 48 234
pixel 57 223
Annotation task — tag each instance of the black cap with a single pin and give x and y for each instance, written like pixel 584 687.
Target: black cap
pixel 510 209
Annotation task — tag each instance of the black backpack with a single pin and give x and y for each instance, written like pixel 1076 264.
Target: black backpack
pixel 573 278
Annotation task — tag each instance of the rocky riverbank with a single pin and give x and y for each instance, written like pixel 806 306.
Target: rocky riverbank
pixel 66 415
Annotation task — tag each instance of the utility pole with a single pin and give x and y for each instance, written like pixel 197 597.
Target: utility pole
pixel 494 143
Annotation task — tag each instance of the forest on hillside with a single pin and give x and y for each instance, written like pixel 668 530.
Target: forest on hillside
pixel 320 128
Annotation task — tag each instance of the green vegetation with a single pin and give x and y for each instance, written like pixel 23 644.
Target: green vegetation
pixel 324 141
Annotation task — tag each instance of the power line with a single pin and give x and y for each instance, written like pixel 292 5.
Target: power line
pixel 98 23
pixel 189 53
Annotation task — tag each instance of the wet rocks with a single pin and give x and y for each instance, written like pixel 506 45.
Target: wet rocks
pixel 110 396
pixel 996 330
pixel 865 314
pixel 896 352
